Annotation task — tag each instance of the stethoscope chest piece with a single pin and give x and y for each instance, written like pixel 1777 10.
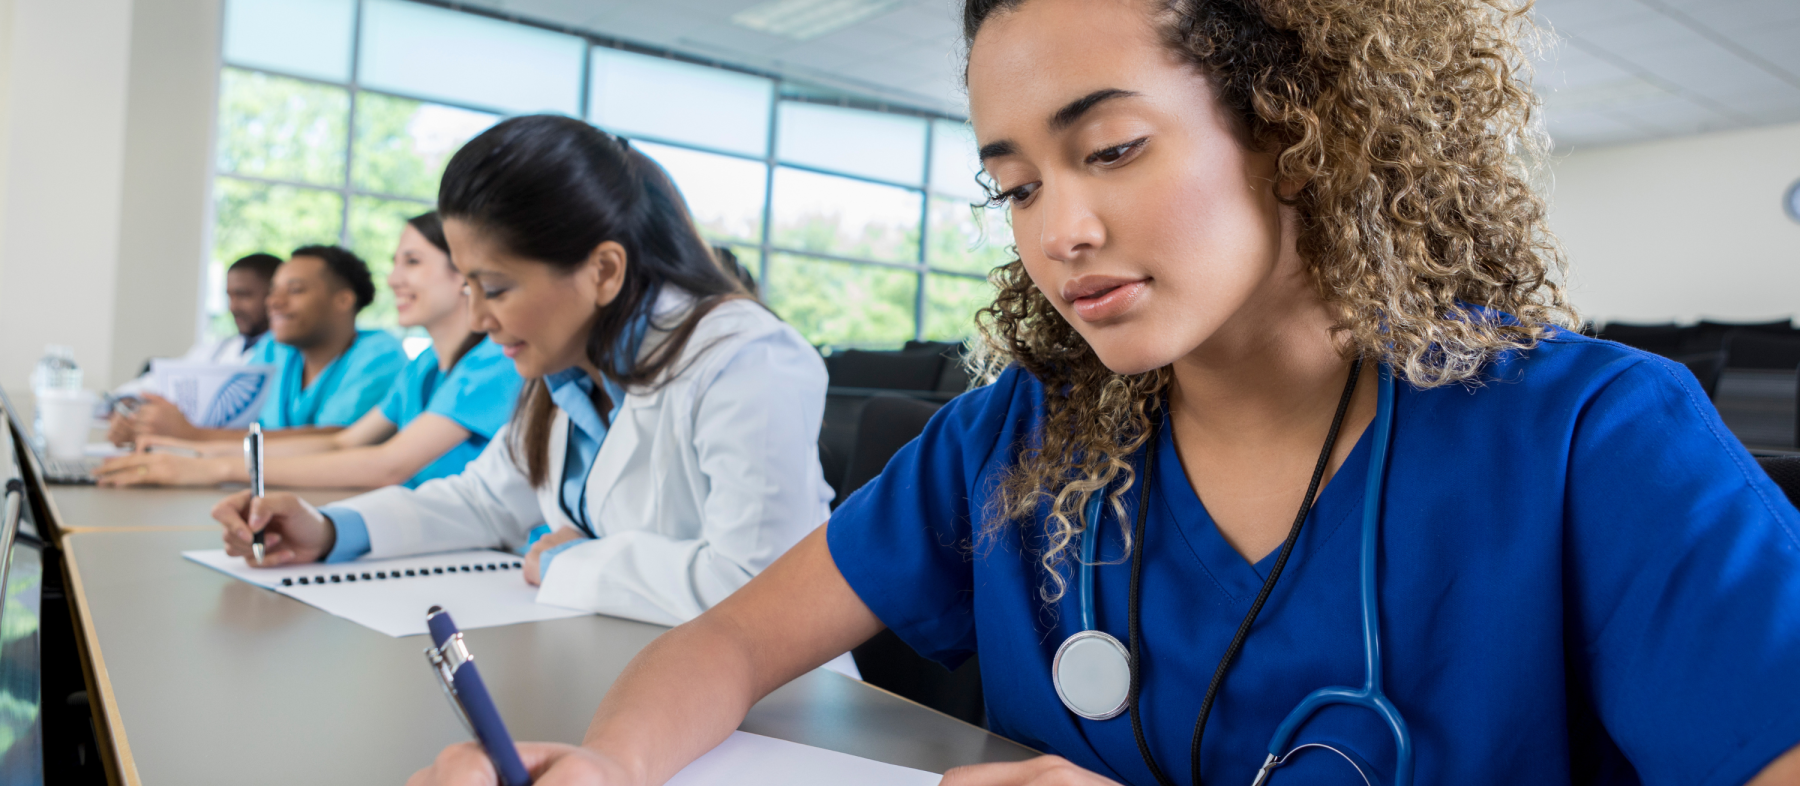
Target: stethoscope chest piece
pixel 1092 673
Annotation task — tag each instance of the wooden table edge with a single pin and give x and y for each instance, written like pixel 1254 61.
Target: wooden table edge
pixel 67 531
pixel 114 726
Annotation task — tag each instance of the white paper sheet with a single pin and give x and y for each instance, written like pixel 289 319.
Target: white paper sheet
pixel 213 395
pixel 745 759
pixel 396 606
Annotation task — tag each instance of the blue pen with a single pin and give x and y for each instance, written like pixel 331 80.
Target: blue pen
pixel 455 668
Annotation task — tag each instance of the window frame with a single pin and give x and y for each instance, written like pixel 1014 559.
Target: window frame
pixel 784 91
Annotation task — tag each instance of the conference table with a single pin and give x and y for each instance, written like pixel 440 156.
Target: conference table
pixel 204 679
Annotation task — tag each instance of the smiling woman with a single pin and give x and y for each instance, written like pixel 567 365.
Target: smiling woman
pixel 1264 246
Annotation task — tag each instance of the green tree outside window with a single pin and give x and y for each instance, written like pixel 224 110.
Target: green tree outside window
pixel 950 306
pixel 842 304
pixel 281 129
pixel 252 217
pixel 402 145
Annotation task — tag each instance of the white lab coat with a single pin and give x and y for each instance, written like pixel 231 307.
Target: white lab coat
pixel 698 486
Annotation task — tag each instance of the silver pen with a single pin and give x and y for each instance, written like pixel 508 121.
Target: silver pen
pixel 253 461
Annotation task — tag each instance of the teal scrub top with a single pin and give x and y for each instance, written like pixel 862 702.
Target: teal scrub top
pixel 347 389
pixel 477 394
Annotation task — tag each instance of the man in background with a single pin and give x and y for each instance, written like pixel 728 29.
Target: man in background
pixel 247 284
pixel 328 373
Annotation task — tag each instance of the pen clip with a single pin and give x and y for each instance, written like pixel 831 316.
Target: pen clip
pixel 253 458
pixel 444 662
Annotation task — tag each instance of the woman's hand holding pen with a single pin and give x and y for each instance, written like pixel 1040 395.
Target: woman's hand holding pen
pixel 295 530
pixel 550 764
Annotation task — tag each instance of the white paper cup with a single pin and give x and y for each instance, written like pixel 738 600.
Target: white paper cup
pixel 68 417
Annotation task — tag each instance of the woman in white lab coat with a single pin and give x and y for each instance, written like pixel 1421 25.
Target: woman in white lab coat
pixel 667 433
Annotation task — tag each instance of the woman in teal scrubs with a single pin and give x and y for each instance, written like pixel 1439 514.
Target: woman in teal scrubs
pixel 438 415
pixel 1281 399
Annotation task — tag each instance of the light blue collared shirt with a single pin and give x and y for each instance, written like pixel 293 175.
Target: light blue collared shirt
pixel 570 390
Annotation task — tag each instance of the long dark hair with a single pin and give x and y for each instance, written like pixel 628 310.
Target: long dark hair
pixel 432 229
pixel 551 189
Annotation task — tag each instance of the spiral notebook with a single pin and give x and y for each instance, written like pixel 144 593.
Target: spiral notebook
pixel 487 588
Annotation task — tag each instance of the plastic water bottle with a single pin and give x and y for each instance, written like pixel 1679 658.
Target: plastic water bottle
pixel 56 371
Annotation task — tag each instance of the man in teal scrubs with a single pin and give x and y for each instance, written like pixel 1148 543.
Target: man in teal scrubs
pixel 327 373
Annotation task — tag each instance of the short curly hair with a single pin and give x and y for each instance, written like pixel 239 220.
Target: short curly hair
pixel 1413 128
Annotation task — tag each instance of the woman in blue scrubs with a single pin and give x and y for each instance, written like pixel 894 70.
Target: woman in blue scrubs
pixel 441 411
pixel 1285 309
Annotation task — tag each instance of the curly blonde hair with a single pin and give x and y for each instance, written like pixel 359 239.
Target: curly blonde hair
pixel 1412 125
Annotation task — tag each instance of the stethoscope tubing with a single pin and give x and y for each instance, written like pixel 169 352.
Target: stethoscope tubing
pixel 1370 695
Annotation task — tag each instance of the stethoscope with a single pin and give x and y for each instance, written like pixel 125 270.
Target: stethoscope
pixel 1093 673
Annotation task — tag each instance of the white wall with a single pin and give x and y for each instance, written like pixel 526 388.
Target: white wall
pixel 104 148
pixel 1682 229
pixel 165 220
pixel 65 150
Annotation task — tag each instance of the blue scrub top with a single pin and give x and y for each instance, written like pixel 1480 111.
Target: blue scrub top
pixel 1583 577
pixel 344 391
pixel 478 394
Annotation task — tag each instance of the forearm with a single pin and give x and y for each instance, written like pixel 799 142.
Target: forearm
pixel 686 692
pixel 369 454
pixel 357 468
pixel 298 432
pixel 679 698
pixel 299 444
pixel 215 434
pixel 225 434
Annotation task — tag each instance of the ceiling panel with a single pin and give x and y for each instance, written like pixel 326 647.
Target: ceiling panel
pixel 1735 17
pixel 1624 71
pixel 1778 44
pixel 1706 56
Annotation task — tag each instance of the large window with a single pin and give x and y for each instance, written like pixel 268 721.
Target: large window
pixel 858 224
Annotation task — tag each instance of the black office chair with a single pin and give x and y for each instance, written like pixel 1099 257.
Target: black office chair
pixel 1668 339
pixel 855 376
pixel 1705 367
pixel 953 376
pixel 1710 336
pixel 887 422
pixel 904 370
pixel 887 662
pixel 1759 350
pixel 1785 471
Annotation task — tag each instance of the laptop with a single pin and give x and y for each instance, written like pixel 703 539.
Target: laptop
pixel 77 472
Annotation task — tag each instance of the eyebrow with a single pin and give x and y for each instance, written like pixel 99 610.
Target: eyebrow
pixel 1073 111
pixel 1061 120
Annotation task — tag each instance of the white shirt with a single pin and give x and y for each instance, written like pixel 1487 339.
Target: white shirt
pixel 228 351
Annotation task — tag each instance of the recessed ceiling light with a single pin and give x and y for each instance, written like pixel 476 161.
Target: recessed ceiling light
pixel 806 19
